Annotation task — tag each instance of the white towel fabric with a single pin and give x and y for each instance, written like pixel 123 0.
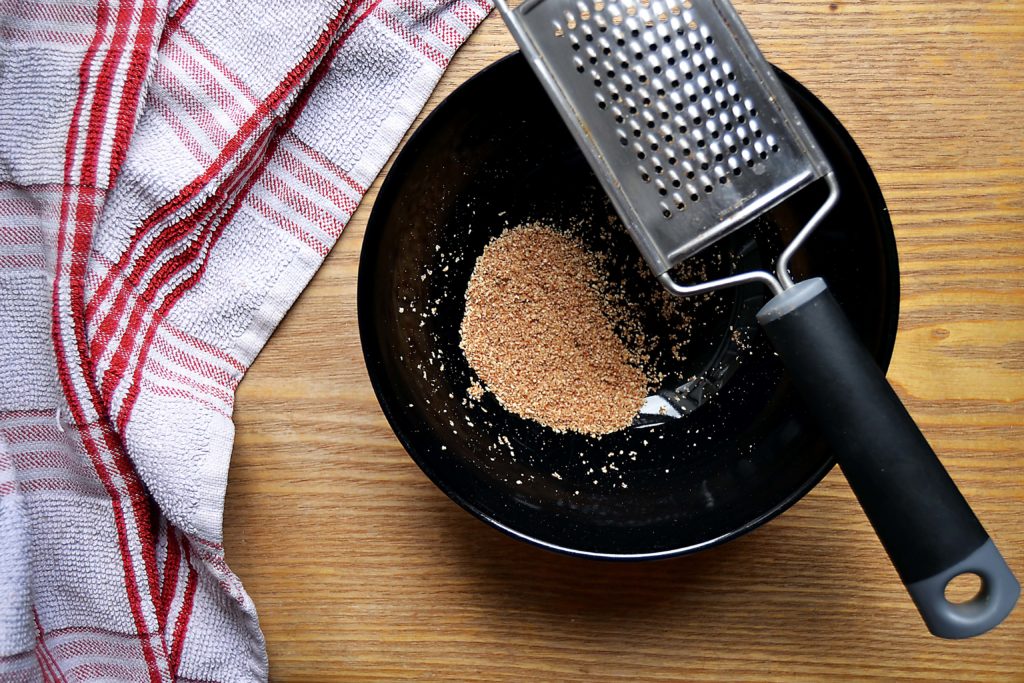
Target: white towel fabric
pixel 171 176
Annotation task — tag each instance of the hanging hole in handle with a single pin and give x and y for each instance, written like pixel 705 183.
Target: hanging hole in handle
pixel 964 588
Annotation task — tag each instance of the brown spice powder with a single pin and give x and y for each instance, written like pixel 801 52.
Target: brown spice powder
pixel 536 333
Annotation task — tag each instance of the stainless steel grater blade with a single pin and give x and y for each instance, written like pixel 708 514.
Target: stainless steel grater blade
pixel 679 114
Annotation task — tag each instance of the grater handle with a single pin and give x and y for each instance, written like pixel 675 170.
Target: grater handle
pixel 926 526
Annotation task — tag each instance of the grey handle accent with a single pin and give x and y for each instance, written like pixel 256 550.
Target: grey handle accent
pixel 998 594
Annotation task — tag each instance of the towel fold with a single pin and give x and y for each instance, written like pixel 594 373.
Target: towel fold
pixel 171 176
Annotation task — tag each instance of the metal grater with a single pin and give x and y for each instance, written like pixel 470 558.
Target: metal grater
pixel 679 114
pixel 692 136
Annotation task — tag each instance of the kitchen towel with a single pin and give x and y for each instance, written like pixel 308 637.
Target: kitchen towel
pixel 171 176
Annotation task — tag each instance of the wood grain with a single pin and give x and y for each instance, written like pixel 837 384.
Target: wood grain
pixel 362 570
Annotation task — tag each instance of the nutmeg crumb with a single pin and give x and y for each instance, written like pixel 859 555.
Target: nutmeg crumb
pixel 536 333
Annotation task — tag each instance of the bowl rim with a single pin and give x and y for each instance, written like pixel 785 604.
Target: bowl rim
pixel 373 362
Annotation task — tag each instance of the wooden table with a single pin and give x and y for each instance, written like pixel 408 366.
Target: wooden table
pixel 361 569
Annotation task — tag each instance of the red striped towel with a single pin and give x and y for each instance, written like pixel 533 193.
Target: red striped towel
pixel 170 179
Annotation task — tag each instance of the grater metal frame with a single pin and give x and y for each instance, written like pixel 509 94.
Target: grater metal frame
pixel 717 140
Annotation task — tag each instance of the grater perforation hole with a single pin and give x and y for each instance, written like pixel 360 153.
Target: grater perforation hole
pixel 667 213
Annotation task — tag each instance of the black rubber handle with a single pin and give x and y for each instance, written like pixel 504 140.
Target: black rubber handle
pixel 923 521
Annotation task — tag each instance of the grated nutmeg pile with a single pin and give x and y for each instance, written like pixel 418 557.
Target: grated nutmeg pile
pixel 538 334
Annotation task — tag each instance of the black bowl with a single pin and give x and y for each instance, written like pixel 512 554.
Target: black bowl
pixel 741 449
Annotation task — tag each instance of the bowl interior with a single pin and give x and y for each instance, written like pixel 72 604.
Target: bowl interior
pixel 732 449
